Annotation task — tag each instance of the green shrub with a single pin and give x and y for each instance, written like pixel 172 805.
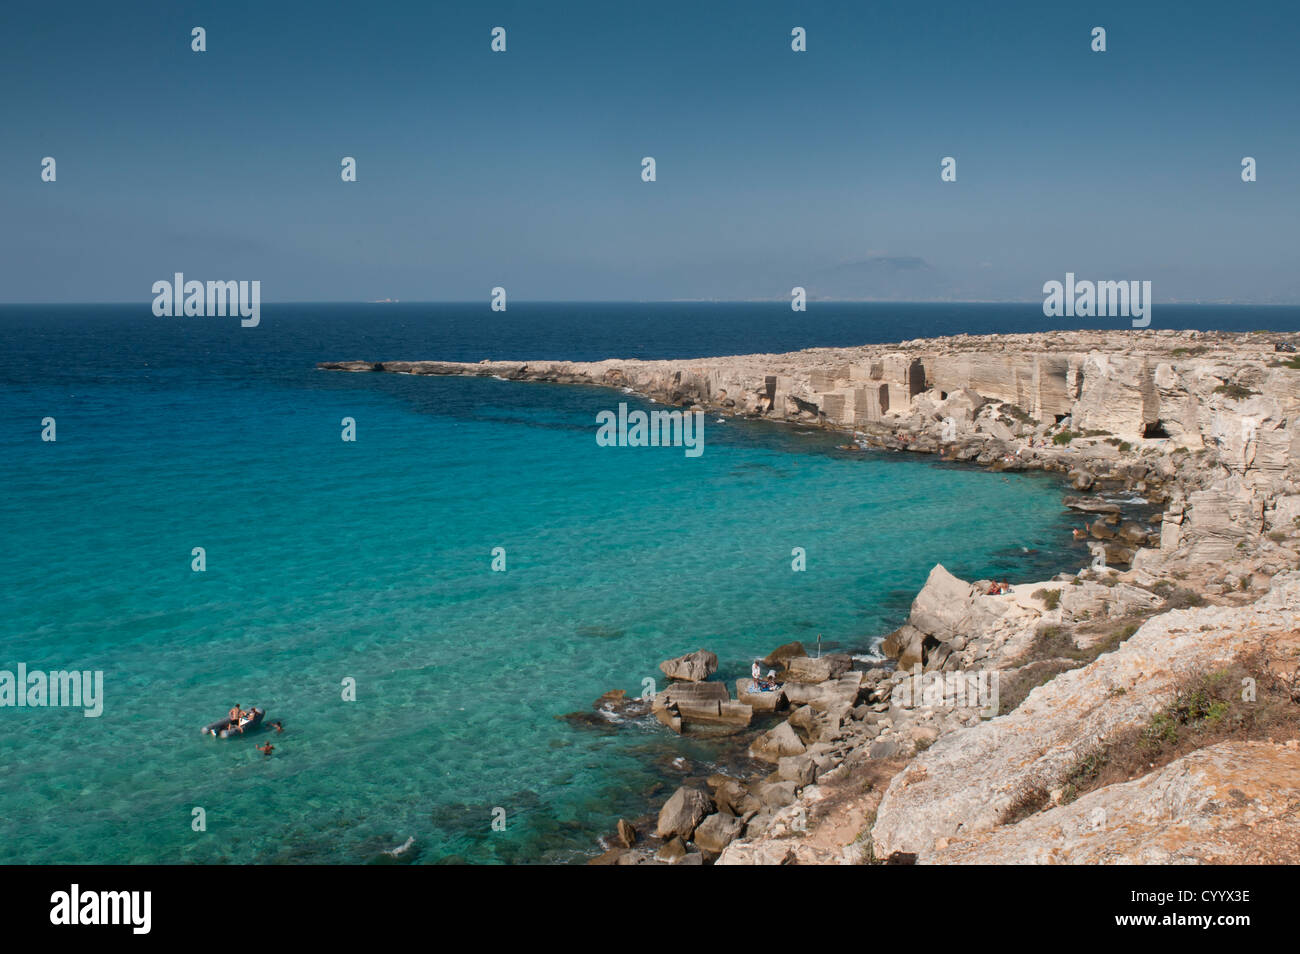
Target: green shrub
pixel 1182 598
pixel 1050 598
pixel 1234 391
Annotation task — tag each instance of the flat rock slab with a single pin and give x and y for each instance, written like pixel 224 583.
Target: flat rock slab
pixel 772 701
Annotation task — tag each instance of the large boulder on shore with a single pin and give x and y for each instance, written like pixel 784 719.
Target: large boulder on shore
pixel 825 696
pixel 779 657
pixel 775 743
pixel 682 813
pixel 819 669
pixel 693 667
pixel 707 702
pixel 947 610
pixel 718 831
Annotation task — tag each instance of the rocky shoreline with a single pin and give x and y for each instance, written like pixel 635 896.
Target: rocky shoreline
pixel 1146 705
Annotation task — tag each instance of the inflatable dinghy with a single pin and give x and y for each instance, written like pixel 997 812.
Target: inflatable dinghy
pixel 224 728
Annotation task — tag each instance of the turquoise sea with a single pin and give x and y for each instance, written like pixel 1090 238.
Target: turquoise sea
pixel 372 560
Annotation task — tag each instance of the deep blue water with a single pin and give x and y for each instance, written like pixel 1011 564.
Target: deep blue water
pixel 371 560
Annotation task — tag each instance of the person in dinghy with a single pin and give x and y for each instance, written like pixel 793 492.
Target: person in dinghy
pixel 237 721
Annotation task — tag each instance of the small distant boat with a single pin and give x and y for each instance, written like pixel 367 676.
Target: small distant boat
pixel 225 728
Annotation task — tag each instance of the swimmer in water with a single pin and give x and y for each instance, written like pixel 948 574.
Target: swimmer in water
pixel 276 725
pixel 266 749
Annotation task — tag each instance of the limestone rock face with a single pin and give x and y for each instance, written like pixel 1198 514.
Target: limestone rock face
pixel 1231 803
pixel 682 813
pixel 966 782
pixel 693 667
pixel 1215 521
pixel 1118 396
pixel 1194 389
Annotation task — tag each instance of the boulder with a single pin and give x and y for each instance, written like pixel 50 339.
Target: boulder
pixel 905 644
pixel 808 669
pixel 626 833
pixel 693 667
pixel 671 851
pixel 732 797
pixel 775 743
pixel 961 405
pixel 947 607
pixel 796 768
pixel 1134 533
pixel 684 703
pixel 1100 530
pixel 717 831
pixel 1080 479
pixel 778 794
pixel 683 812
pixel 772 701
pixel 824 696
pixel 777 658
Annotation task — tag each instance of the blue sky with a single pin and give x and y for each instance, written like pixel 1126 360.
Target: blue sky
pixel 774 168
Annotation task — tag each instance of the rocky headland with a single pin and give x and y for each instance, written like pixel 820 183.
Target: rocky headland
pixel 1143 709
